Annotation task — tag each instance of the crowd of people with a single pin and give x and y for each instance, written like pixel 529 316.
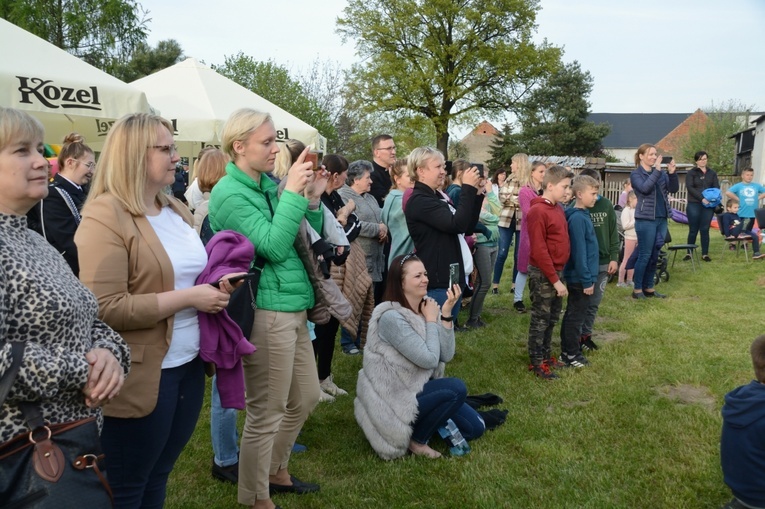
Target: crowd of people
pixel 135 285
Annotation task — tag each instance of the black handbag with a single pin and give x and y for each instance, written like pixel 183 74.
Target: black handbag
pixel 52 466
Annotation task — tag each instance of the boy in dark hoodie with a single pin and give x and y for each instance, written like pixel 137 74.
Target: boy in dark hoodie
pixel 742 446
pixel 549 242
pixel 581 271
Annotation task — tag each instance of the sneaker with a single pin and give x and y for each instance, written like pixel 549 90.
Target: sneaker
pixel 553 363
pixel 298 448
pixel 351 351
pixel 543 371
pixel 623 285
pixel 586 343
pixel 518 305
pixel 476 323
pixel 495 291
pixel 757 256
pixel 328 386
pixel 686 258
pixel 325 398
pixel 575 361
pixel 226 474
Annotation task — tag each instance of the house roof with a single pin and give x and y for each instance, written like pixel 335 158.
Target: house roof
pixel 633 129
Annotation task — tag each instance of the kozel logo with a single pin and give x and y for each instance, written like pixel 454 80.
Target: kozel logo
pixel 55 97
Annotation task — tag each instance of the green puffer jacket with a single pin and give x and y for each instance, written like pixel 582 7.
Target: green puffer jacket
pixel 239 203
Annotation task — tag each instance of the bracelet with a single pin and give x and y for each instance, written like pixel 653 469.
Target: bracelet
pixel 447 318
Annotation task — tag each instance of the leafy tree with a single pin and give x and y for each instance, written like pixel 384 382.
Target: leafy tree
pixel 457 150
pixel 553 118
pixel 504 148
pixel 713 136
pixel 273 82
pixel 103 33
pixel 147 60
pixel 446 60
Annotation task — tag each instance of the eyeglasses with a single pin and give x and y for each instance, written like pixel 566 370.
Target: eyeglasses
pixel 168 149
pixel 91 165
pixel 406 258
pixel 386 148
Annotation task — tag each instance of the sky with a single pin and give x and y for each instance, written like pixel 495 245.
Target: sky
pixel 646 56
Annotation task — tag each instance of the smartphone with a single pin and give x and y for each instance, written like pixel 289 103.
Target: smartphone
pixel 235 279
pixel 448 167
pixel 666 159
pixel 480 168
pixel 315 158
pixel 454 275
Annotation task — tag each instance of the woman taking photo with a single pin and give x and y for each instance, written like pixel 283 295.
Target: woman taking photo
pixel 651 186
pixel 140 256
pixel 57 216
pixel 697 179
pixel 401 398
pixel 72 362
pixel 280 378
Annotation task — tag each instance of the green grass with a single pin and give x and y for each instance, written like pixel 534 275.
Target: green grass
pixel 609 436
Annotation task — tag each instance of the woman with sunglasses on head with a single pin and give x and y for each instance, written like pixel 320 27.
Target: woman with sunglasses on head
pixel 57 216
pixel 141 257
pixel 402 397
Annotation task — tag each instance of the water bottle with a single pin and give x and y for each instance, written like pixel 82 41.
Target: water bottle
pixel 458 446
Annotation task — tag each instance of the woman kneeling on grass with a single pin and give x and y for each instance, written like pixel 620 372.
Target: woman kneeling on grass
pixel 401 400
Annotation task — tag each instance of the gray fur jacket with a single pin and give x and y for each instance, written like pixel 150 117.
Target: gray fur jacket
pixel 386 391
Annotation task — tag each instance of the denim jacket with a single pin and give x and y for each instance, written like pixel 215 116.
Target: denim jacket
pixel 651 186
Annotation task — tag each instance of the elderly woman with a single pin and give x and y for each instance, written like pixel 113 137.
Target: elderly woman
pixel 435 226
pixel 699 178
pixel 57 216
pixel 651 185
pixel 72 362
pixel 280 378
pixel 402 398
pixel 141 257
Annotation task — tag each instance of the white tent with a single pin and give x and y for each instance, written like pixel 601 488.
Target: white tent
pixel 198 101
pixel 63 92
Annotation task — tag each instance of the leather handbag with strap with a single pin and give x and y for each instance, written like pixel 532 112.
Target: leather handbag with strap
pixel 52 465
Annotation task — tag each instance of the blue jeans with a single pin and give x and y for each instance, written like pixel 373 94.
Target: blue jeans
pixel 647 232
pixel 439 295
pixel 440 400
pixel 505 241
pixel 699 219
pixel 140 452
pixel 225 439
pixel 346 341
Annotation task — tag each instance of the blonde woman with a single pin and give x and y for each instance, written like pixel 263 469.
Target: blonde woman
pixel 281 380
pixel 140 256
pixel 530 179
pixel 510 219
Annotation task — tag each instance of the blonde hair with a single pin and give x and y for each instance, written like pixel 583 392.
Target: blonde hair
pixel 642 149
pixel 522 164
pixel 212 168
pixel 419 157
pixel 122 168
pixel 16 125
pixel 524 174
pixel 240 126
pixel 582 182
pixel 74 147
pixel 288 152
pixel 399 168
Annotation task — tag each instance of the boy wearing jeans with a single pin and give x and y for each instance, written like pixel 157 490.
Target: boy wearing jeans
pixel 549 251
pixel 742 444
pixel 581 271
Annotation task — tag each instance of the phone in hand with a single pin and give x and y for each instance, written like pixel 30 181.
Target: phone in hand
pixel 666 159
pixel 234 279
pixel 454 275
pixel 314 158
pixel 480 169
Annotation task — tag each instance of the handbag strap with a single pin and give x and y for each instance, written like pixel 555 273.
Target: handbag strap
pixel 17 353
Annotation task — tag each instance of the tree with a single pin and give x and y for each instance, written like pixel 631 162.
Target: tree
pixel 104 33
pixel 447 60
pixel 713 136
pixel 274 83
pixel 504 148
pixel 147 60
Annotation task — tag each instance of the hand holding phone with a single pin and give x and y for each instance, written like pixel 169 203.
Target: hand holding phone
pixel 454 274
pixel 234 279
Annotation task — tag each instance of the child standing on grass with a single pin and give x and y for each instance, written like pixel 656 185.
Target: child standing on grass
pixel 742 445
pixel 549 251
pixel 630 240
pixel 732 226
pixel 581 271
pixel 748 194
pixel 603 218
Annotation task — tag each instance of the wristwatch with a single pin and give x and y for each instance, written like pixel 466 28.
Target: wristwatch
pixel 447 318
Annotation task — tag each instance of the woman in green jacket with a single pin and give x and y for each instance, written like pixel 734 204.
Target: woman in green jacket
pixel 280 377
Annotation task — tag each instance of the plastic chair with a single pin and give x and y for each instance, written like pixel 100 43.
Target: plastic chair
pixel 691 249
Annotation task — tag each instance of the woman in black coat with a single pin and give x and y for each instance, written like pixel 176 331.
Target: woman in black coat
pixel 700 177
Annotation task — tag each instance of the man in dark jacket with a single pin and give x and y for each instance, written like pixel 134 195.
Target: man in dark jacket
pixel 435 225
pixel 742 446
pixel 383 159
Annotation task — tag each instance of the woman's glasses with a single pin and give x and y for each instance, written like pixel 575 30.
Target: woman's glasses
pixel 168 149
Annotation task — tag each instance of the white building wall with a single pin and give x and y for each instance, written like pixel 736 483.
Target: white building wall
pixel 758 153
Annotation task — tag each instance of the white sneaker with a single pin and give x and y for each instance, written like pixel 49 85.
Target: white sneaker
pixel 325 398
pixel 328 386
pixel 622 285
